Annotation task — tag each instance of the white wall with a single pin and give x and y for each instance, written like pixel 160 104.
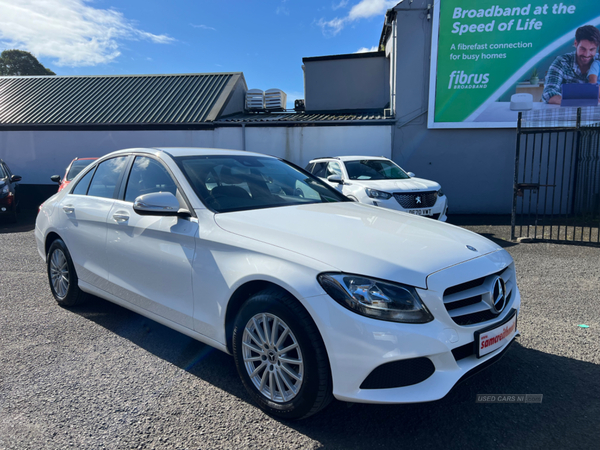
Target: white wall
pixel 301 144
pixel 37 155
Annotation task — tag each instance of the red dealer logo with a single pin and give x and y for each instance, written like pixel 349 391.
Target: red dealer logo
pixel 506 331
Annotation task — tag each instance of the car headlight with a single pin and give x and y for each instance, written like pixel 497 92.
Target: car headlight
pixel 4 189
pixel 375 298
pixel 373 193
pixel 440 193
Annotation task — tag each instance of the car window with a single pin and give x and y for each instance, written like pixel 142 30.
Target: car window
pixel 320 170
pixel 82 185
pixel 77 166
pixel 239 182
pixel 374 169
pixel 148 176
pixel 3 173
pixel 333 168
pixel 106 177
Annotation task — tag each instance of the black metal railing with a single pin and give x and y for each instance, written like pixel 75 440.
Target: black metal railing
pixel 556 192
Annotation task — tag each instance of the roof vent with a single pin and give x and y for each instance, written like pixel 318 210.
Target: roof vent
pixel 275 100
pixel 255 100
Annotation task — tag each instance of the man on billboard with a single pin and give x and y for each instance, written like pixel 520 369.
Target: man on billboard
pixel 574 67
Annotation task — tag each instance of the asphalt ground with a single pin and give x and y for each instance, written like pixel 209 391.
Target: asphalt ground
pixel 99 376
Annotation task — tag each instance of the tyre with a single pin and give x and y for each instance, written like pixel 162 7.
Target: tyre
pixel 62 277
pixel 280 356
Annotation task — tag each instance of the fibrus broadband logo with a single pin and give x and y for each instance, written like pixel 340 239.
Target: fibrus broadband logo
pixel 462 80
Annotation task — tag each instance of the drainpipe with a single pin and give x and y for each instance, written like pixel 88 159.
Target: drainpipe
pixel 394 58
pixel 244 136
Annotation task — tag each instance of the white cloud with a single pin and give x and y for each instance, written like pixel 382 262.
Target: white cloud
pixel 362 10
pixel 365 49
pixel 204 27
pixel 339 5
pixel 70 31
pixel 281 9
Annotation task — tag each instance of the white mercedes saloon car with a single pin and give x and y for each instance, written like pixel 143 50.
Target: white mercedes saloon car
pixel 314 295
pixel 381 182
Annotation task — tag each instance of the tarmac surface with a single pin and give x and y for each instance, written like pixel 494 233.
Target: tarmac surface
pixel 101 377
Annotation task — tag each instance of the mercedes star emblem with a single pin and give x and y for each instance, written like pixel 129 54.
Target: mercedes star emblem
pixel 499 295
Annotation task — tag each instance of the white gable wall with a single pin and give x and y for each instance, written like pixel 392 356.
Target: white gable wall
pixel 37 155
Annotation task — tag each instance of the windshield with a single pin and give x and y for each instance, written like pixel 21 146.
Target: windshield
pixel 228 183
pixel 2 172
pixel 374 169
pixel 77 166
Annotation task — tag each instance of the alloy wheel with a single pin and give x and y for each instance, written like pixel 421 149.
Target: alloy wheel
pixel 272 357
pixel 59 273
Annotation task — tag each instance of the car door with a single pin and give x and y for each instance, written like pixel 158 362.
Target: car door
pixel 151 256
pixel 82 219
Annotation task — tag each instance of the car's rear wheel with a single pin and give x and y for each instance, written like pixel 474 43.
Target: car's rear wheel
pixel 62 277
pixel 280 356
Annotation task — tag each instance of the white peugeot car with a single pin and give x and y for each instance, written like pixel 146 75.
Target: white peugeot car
pixel 378 181
pixel 316 296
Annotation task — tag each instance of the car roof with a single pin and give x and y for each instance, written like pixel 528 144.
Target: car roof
pixel 189 151
pixel 349 158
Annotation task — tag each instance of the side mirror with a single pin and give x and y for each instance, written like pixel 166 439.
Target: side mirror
pixel 55 178
pixel 15 178
pixel 410 174
pixel 335 179
pixel 158 204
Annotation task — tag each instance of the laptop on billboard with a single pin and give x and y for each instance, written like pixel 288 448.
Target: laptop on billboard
pixel 579 94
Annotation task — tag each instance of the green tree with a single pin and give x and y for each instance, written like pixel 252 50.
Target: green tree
pixel 19 62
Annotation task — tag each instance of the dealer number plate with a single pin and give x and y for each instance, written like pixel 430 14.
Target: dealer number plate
pixel 495 338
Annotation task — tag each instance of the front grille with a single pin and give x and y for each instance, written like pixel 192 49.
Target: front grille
pixel 399 374
pixel 417 200
pixel 469 303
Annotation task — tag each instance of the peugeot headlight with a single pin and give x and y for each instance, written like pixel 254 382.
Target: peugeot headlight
pixel 380 195
pixel 376 299
pixel 4 189
pixel 440 193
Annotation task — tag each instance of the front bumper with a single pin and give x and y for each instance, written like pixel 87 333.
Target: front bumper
pixel 358 345
pixel 7 204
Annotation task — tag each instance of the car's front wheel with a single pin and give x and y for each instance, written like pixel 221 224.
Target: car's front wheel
pixel 280 356
pixel 62 277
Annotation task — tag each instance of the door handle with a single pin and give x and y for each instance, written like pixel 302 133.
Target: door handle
pixel 121 217
pixel 68 209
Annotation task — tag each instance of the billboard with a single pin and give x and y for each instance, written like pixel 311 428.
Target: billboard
pixel 486 51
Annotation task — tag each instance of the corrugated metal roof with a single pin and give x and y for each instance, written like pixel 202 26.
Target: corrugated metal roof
pixel 123 99
pixel 305 117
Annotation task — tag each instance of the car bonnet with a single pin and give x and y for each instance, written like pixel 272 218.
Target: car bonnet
pixel 408 185
pixel 361 239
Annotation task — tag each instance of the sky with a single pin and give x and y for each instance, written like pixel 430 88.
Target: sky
pixel 264 39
